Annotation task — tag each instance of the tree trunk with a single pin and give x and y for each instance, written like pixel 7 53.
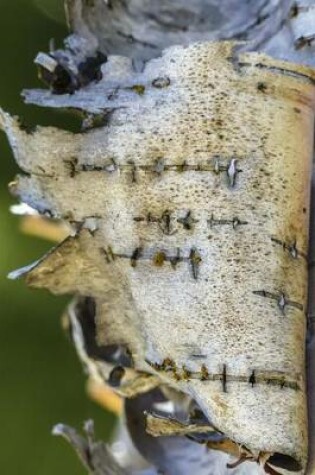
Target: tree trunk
pixel 187 196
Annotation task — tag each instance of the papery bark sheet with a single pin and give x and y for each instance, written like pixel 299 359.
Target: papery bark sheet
pixel 194 230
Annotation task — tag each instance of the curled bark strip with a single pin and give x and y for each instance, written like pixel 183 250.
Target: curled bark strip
pixel 164 426
pixel 95 456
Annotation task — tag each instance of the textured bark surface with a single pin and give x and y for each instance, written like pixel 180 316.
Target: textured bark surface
pixel 171 245
pixel 189 213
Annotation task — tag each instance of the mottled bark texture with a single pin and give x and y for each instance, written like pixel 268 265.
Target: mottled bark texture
pixel 187 194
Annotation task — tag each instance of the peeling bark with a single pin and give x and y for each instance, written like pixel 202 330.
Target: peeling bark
pixel 95 456
pixel 187 193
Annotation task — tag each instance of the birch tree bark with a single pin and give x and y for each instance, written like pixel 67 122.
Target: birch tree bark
pixel 187 196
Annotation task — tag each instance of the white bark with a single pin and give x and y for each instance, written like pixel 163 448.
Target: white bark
pixel 189 206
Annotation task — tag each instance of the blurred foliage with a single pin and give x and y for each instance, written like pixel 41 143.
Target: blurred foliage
pixel 41 381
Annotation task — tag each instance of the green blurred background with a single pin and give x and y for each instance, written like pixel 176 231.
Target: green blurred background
pixel 41 381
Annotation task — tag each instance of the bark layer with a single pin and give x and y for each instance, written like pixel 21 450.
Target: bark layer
pixel 193 231
pixel 191 224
